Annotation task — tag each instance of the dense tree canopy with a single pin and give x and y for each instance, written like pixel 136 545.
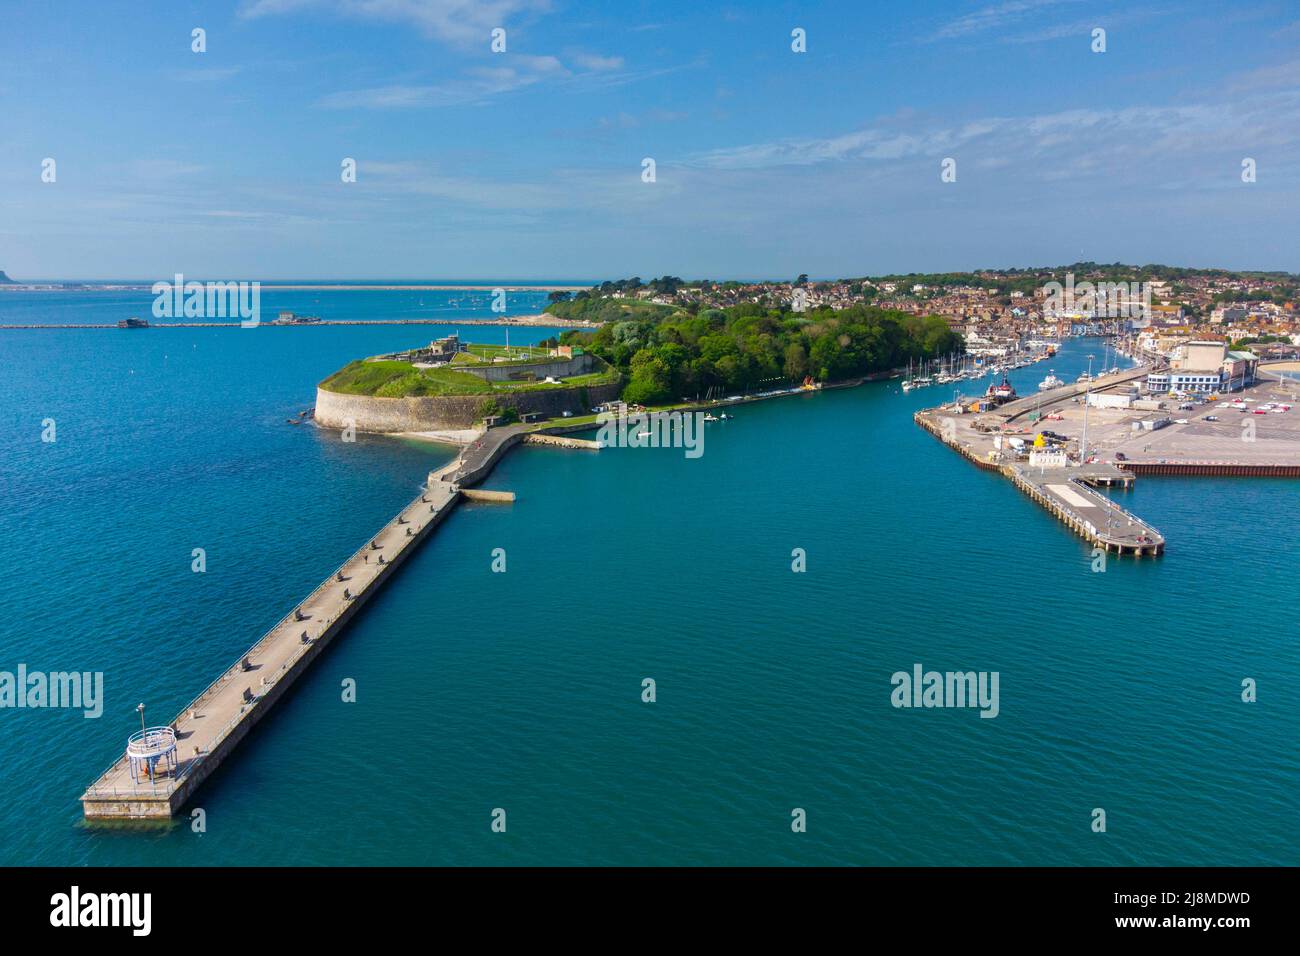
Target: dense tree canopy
pixel 667 357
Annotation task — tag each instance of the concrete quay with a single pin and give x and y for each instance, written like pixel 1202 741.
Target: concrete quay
pixel 207 731
pixel 1088 513
pixel 1236 435
pixel 210 727
pixel 1067 493
pixel 1251 432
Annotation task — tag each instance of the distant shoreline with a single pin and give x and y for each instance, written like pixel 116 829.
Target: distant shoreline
pixel 289 287
pixel 514 321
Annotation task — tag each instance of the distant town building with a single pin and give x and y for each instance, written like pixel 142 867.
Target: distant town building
pixel 1229 314
pixel 1205 367
pixel 1121 396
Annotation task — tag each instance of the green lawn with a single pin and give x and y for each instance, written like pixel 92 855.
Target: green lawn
pixel 577 381
pixel 518 354
pixel 400 380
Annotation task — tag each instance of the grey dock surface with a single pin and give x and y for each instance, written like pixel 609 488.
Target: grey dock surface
pixel 1067 493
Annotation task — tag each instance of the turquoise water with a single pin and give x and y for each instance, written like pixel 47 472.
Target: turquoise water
pixel 522 690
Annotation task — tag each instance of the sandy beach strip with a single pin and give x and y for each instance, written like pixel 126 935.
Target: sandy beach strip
pixel 461 436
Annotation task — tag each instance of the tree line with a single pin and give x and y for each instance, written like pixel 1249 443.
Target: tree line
pixel 670 355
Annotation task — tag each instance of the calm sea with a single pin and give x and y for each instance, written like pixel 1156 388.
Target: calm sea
pixel 522 691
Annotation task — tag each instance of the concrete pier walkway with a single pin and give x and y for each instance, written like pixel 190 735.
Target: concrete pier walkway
pixel 1068 493
pixel 208 729
pixel 1010 411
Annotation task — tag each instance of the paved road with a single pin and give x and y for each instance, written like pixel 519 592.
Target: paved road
pixel 1041 399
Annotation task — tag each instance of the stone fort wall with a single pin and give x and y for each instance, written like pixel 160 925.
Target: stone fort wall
pixel 368 413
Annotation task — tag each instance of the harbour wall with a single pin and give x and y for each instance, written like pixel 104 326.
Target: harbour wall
pixel 483 458
pixel 1123 542
pixel 1216 468
pixel 102 803
pixel 964 450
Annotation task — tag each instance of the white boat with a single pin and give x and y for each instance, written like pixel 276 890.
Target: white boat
pixel 1049 383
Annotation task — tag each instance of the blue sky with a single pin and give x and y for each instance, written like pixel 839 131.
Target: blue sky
pixel 527 164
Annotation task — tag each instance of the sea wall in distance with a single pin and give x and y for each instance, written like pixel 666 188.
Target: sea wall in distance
pixel 439 412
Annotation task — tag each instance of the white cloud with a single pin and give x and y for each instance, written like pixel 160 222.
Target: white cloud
pixel 1141 141
pixel 997 16
pixel 478 84
pixel 591 61
pixel 625 120
pixel 1279 75
pixel 481 83
pixel 155 169
pixel 234 214
pixel 205 74
pixel 457 21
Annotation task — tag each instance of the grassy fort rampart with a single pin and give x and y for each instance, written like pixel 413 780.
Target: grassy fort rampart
pixel 387 394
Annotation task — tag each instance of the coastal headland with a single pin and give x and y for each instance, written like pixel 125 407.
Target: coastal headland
pixel 492 398
pixel 450 386
pixel 163 766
